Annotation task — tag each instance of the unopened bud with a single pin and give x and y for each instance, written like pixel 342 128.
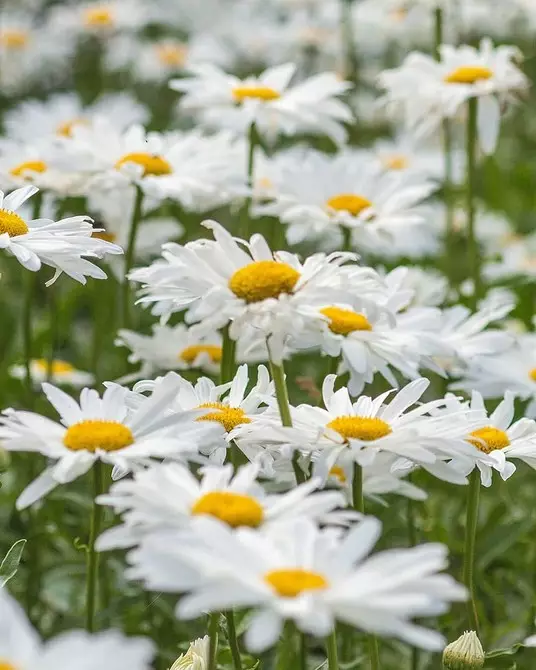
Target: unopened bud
pixel 196 658
pixel 465 653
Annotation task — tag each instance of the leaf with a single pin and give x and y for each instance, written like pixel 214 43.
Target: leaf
pixel 10 564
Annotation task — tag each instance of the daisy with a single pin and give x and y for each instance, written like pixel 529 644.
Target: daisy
pixel 223 100
pixel 430 90
pixel 170 497
pixel 500 438
pixel 241 283
pixel 197 656
pixel 103 429
pixel 22 648
pixel 61 372
pixel 100 18
pixel 295 571
pixel 59 244
pixel 428 288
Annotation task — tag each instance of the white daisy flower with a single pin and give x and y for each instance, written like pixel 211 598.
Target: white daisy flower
pixel 103 429
pixel 61 372
pixel 428 288
pixel 295 571
pixel 225 101
pixel 196 658
pixel 59 244
pixel 170 497
pixel 21 648
pixel 227 280
pixel 430 90
pixel 100 18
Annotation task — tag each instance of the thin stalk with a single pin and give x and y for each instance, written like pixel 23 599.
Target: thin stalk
pixel 53 331
pixel 357 489
pixel 92 582
pixel 348 41
pixel 374 653
pixel 27 333
pixel 246 209
pixel 474 256
pixel 213 622
pixel 331 648
pixel 303 651
pixel 233 641
pixel 281 392
pixel 447 189
pixel 346 238
pixel 228 356
pixel 412 541
pixel 471 522
pixel 438 31
pixel 130 253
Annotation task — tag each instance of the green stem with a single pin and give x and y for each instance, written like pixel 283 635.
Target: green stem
pixel 213 622
pixel 447 189
pixel 228 357
pixel 357 489
pixel 412 541
pixel 93 556
pixel 346 238
pixel 348 41
pixel 53 332
pixel 374 653
pixel 130 253
pixel 246 209
pixel 281 392
pixel 233 641
pixel 303 651
pixel 331 648
pixel 471 522
pixel 474 255
pixel 438 31
pixel 27 333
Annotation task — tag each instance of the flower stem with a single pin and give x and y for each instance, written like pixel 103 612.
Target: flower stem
pixel 346 238
pixel 246 209
pixel 303 651
pixel 348 41
pixel 130 253
pixel 27 333
pixel 213 640
pixel 93 556
pixel 228 356
pixel 471 521
pixel 281 392
pixel 412 541
pixel 233 641
pixel 331 648
pixel 374 653
pixel 357 489
pixel 438 31
pixel 474 256
pixel 53 332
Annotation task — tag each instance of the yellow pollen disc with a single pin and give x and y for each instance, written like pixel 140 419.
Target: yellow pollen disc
pixel 152 165
pixel 189 354
pixel 265 93
pixel 262 280
pixel 66 128
pixel 172 55
pixel 345 321
pixel 469 74
pixel 360 427
pixel 104 235
pixel 28 166
pixel 6 665
pixel 12 224
pixel 337 472
pixel 99 17
pixel 94 434
pixel 58 367
pixel 14 39
pixel 234 509
pixel 229 417
pixel 348 202
pixel 489 439
pixel 291 583
pixel 532 374
pixel 397 162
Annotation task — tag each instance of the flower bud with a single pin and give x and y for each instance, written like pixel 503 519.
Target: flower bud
pixel 196 658
pixel 465 653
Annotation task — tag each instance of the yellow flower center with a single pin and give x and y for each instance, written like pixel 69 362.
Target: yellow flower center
pixel 532 374
pixel 345 321
pixel 57 368
pixel 396 162
pixel 469 74
pixel 262 280
pixel 104 235
pixel 28 166
pixel 265 93
pixel 94 434
pixel 489 438
pixel 363 428
pixel 6 665
pixel 172 55
pixel 349 202
pixel 229 417
pixel 292 583
pixel 12 224
pixel 66 128
pixel 189 354
pixel 99 17
pixel 14 39
pixel 151 164
pixel 338 473
pixel 234 509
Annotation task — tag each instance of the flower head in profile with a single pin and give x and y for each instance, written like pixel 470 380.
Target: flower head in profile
pixel 196 658
pixel 269 100
pixel 60 372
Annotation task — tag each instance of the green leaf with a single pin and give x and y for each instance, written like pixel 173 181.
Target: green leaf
pixel 10 564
